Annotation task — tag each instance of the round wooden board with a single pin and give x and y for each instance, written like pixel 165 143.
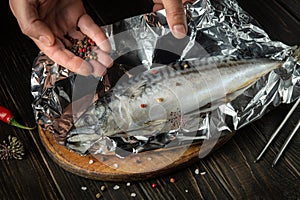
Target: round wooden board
pixel 139 166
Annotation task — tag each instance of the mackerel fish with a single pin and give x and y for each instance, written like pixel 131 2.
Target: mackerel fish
pixel 167 98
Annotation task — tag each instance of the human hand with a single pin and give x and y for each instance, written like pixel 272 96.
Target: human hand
pixel 47 22
pixel 175 15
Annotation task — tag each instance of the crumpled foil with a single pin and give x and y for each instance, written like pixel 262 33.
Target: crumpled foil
pixel 220 27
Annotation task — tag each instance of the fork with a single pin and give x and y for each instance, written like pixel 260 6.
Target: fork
pixel 277 131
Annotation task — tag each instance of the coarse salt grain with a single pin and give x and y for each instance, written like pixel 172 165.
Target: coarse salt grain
pixel 116 187
pixel 133 194
pixel 116 165
pixel 91 162
pixel 128 184
pixel 186 191
pixel 203 173
pixel 196 171
pixel 84 188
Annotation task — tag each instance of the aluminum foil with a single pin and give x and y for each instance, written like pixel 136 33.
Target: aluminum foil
pixel 220 27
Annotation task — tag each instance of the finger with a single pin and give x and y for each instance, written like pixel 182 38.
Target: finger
pixel 88 27
pixel 59 54
pixel 157 7
pixel 176 17
pixel 66 42
pixel 104 58
pixel 30 24
pixel 76 34
pixel 98 69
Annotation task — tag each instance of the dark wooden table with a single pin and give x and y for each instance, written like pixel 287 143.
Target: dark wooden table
pixel 230 171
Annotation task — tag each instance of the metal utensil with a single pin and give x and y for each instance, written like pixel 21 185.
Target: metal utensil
pixel 276 133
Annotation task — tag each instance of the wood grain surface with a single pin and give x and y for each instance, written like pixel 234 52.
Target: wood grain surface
pixel 141 166
pixel 230 172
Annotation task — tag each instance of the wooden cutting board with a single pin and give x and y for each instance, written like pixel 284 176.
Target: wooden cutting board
pixel 139 166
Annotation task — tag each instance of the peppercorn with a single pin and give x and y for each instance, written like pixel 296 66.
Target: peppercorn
pixel 102 188
pixel 186 66
pixel 159 100
pixel 143 105
pixel 154 71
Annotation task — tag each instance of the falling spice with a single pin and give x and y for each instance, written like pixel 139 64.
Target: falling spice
pixel 7 117
pixel 159 100
pixel 154 71
pixel 13 149
pixel 102 188
pixel 172 180
pixel 116 187
pixel 185 66
pixel 98 195
pixel 143 105
pixel 133 194
pixel 153 185
pixel 115 165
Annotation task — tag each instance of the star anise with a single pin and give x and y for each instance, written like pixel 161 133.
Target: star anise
pixel 12 149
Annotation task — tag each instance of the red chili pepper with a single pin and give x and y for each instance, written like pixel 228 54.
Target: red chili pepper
pixel 7 117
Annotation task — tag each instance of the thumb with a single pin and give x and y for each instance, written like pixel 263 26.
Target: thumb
pixel 176 17
pixel 29 22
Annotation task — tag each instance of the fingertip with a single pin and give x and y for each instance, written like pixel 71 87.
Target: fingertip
pixel 104 58
pixel 105 46
pixel 98 69
pixel 40 31
pixel 176 17
pixel 179 31
pixel 45 40
pixel 99 73
pixel 91 29
pixel 85 69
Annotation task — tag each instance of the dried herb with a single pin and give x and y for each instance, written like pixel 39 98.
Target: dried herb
pixel 13 148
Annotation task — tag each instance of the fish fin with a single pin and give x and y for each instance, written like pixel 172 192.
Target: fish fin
pixel 136 89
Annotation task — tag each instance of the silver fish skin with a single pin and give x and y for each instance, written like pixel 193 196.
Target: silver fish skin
pixel 171 97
